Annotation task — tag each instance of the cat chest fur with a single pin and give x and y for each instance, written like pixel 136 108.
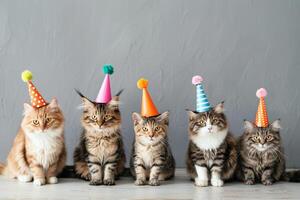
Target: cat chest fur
pixel 148 153
pixel 45 147
pixel 102 149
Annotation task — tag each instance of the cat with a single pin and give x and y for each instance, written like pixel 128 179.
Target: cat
pixel 100 157
pixel 262 155
pixel 38 150
pixel 151 154
pixel 212 150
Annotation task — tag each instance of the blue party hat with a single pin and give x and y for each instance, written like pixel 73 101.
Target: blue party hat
pixel 202 101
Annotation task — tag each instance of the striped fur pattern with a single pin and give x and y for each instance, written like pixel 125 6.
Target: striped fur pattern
pixel 212 151
pixel 38 151
pixel 151 157
pixel 99 157
pixel 261 154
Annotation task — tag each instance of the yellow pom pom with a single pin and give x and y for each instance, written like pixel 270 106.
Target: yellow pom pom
pixel 26 76
pixel 142 83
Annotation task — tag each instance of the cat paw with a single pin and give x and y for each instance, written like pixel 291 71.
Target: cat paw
pixel 249 182
pixel 109 182
pixel 154 182
pixel 52 180
pixel 39 181
pixel 96 182
pixel 267 182
pixel 217 182
pixel 201 182
pixel 140 182
pixel 25 178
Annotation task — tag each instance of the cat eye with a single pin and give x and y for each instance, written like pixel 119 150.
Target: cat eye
pixel 48 120
pixel 269 137
pixel 145 129
pixel 157 128
pixel 215 121
pixel 255 138
pixel 94 118
pixel 35 122
pixel 107 117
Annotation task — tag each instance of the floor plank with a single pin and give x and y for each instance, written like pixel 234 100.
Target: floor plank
pixel 179 188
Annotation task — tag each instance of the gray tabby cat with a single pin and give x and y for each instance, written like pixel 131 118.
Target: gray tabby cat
pixel 100 156
pixel 262 156
pixel 212 153
pixel 151 154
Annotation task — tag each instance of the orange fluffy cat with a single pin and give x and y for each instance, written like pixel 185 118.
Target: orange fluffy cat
pixel 38 151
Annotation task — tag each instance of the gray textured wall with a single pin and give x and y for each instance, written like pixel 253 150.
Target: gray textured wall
pixel 237 46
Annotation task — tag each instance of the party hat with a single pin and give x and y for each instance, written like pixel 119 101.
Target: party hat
pixel 104 95
pixel 37 100
pixel 261 119
pixel 148 108
pixel 202 101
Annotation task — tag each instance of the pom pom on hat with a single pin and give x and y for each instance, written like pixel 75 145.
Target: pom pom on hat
pixel 108 69
pixel 142 83
pixel 26 76
pixel 196 80
pixel 262 92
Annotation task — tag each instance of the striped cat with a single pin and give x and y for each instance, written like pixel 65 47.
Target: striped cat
pixel 151 154
pixel 100 156
pixel 212 150
pixel 262 156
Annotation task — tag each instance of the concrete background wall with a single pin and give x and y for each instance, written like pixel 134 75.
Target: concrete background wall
pixel 237 46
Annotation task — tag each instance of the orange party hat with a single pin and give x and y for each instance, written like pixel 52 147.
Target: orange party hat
pixel 148 108
pixel 261 119
pixel 37 100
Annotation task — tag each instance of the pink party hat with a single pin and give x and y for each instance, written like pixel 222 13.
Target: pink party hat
pixel 104 95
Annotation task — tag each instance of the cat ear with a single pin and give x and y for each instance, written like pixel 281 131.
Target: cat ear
pixel 136 118
pixel 275 126
pixel 53 103
pixel 27 109
pixel 219 108
pixel 248 126
pixel 117 96
pixel 192 114
pixel 114 103
pixel 163 118
pixel 86 103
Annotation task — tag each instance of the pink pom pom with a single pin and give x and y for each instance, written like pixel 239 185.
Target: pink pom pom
pixel 262 92
pixel 196 80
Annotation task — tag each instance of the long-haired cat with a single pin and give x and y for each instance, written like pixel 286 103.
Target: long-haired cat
pixel 262 156
pixel 151 154
pixel 99 157
pixel 212 150
pixel 38 150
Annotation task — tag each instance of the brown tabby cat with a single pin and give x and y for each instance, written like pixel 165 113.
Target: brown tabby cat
pixel 38 150
pixel 100 156
pixel 151 154
pixel 212 149
pixel 262 156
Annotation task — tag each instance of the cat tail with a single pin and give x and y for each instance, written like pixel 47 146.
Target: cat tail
pixel 292 176
pixel 2 169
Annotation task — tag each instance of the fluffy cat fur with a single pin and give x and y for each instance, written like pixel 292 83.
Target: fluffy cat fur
pixel 262 156
pixel 99 157
pixel 38 150
pixel 151 154
pixel 212 152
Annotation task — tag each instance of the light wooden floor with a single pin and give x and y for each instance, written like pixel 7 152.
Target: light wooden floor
pixel 180 188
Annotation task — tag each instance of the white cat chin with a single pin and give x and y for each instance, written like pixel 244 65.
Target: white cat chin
pixel 260 147
pixel 209 140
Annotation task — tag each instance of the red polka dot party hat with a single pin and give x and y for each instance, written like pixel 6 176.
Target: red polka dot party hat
pixel 37 100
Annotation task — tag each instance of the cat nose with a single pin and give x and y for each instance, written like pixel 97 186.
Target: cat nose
pixel 209 128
